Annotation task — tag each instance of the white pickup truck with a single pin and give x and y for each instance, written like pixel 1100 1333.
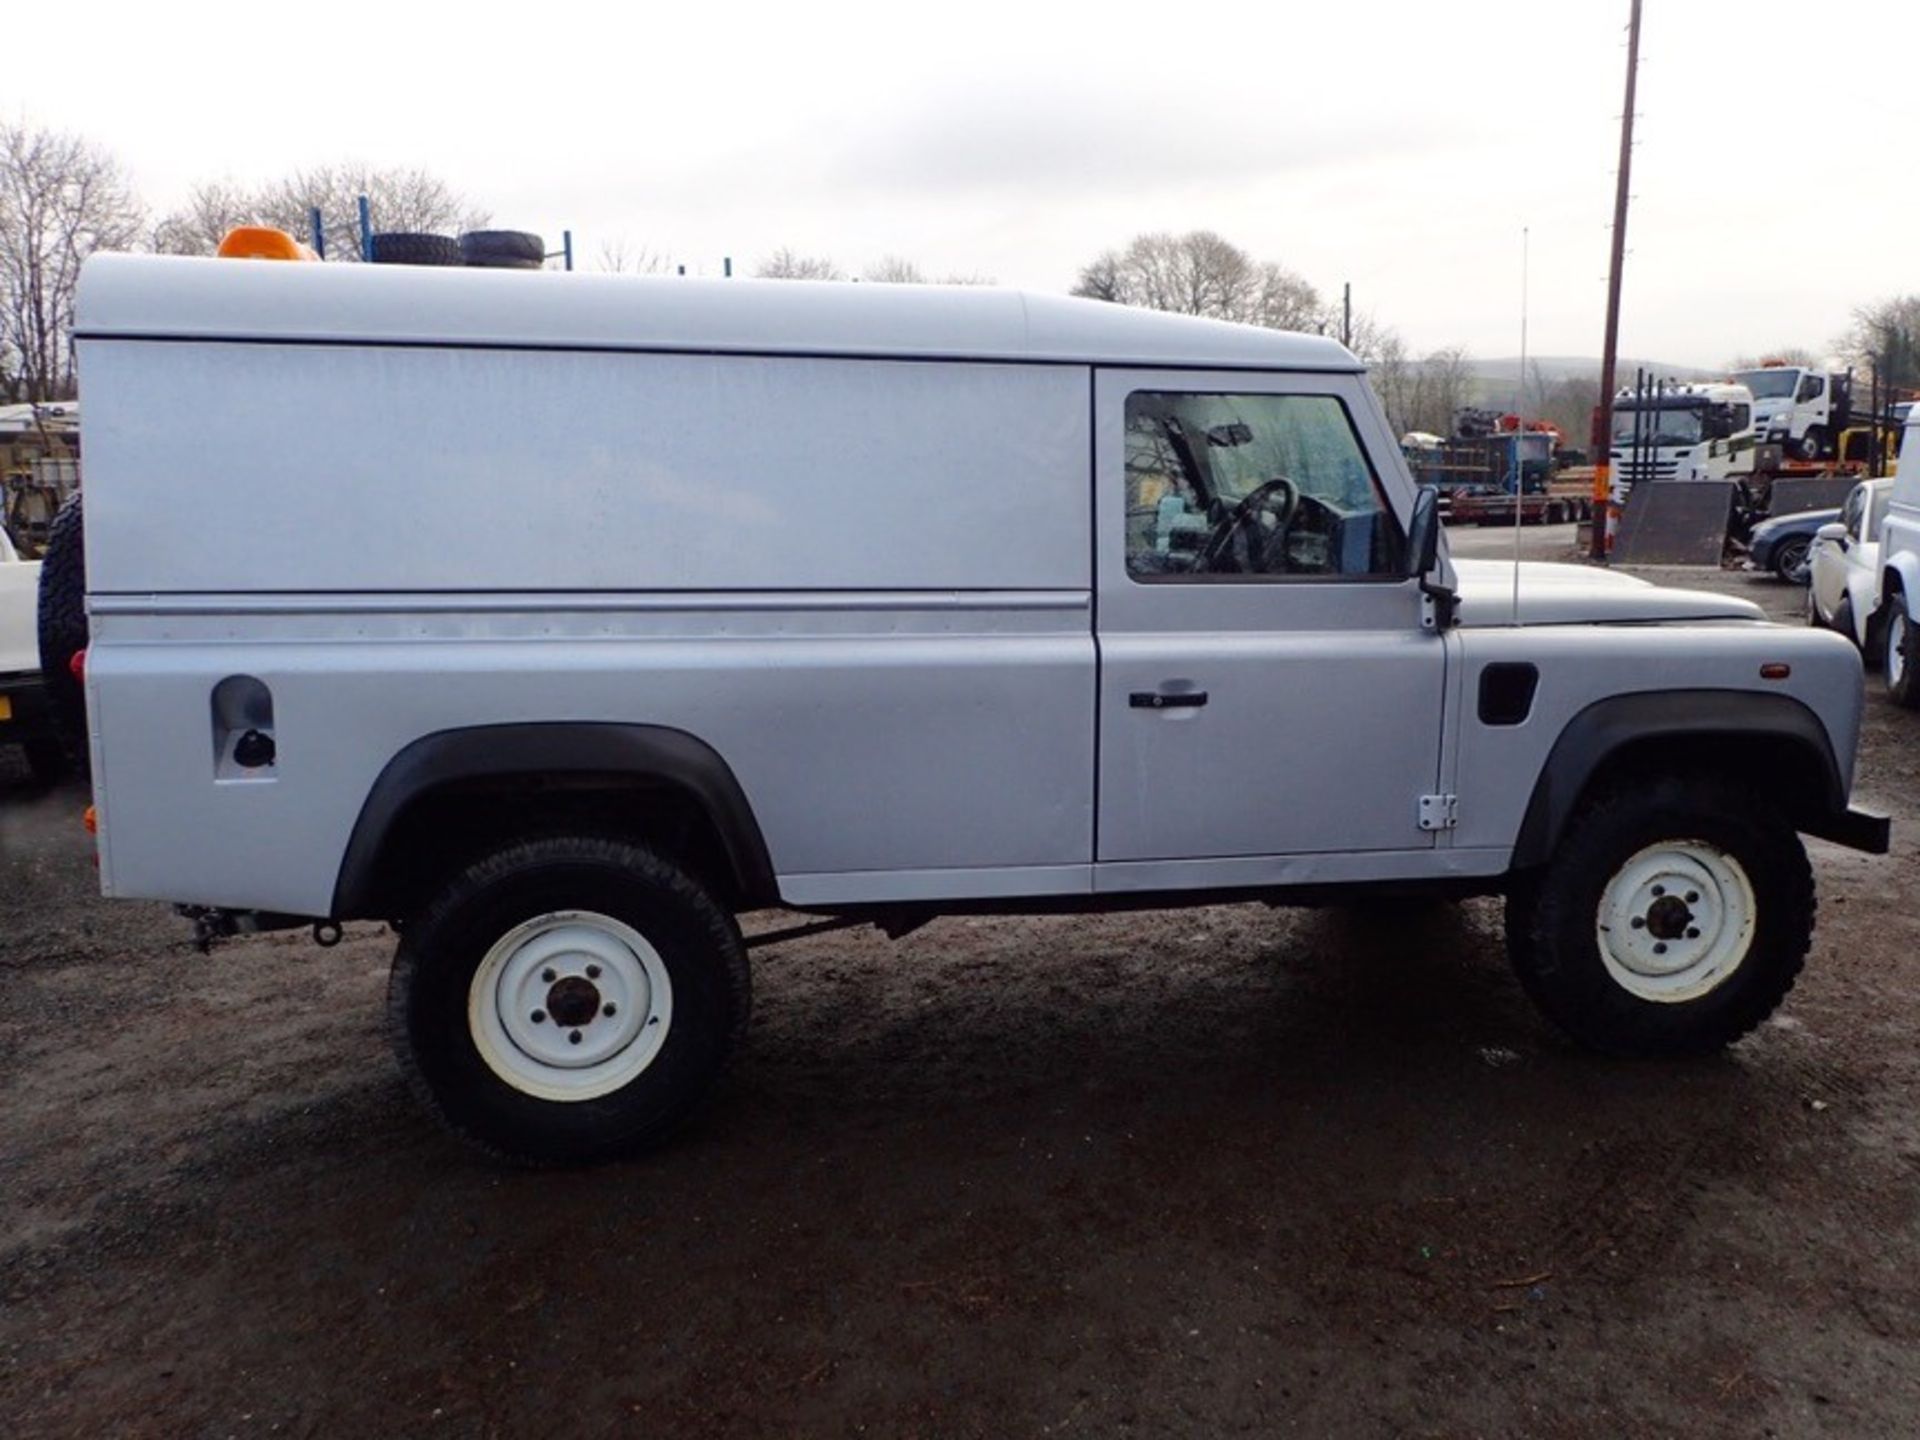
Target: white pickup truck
pixel 560 619
pixel 1899 561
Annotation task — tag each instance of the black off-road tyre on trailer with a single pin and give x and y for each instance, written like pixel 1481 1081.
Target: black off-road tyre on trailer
pixel 1673 918
pixel 62 619
pixel 503 249
pixel 568 999
pixel 405 247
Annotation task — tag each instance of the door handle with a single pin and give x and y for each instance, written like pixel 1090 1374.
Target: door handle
pixel 1165 700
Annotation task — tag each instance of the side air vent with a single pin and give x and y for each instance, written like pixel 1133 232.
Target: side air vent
pixel 1506 693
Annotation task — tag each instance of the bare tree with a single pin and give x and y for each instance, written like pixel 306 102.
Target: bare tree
pixel 210 212
pixel 1885 336
pixel 786 264
pixel 621 256
pixel 894 270
pixel 1567 402
pixel 61 198
pixel 897 270
pixel 1441 383
pixel 1201 273
pixel 1784 355
pixel 397 199
pixel 1392 377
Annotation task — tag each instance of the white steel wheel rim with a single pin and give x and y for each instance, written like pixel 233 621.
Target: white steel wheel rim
pixel 570 1005
pixel 1896 647
pixel 1676 921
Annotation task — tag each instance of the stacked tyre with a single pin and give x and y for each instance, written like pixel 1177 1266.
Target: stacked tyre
pixel 503 250
pixel 483 249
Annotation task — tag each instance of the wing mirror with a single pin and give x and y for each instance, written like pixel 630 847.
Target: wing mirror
pixel 1423 554
pixel 1833 532
pixel 1423 531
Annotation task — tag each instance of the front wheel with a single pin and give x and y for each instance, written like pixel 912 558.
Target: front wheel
pixel 1900 649
pixel 568 999
pixel 1842 621
pixel 1673 918
pixel 1792 560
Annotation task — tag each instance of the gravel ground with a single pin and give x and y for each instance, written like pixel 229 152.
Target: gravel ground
pixel 1208 1172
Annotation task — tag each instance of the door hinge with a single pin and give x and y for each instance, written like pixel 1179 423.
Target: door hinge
pixel 1439 812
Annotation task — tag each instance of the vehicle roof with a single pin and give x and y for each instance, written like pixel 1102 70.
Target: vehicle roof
pixel 1799 519
pixel 153 296
pixel 1680 397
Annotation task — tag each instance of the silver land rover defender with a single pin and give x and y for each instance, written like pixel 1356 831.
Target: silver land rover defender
pixel 558 620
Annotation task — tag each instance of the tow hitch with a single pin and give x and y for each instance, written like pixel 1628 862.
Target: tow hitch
pixel 212 924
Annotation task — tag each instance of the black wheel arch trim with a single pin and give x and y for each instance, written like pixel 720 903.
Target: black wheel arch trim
pixel 644 752
pixel 1606 727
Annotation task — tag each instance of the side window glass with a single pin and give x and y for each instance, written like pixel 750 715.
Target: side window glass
pixel 1252 485
pixel 1877 511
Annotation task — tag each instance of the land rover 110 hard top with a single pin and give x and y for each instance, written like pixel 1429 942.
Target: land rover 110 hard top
pixel 558 620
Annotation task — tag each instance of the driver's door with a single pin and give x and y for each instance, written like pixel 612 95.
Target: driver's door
pixel 1266 686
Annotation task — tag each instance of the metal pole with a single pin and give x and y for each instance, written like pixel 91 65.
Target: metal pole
pixel 1346 314
pixel 366 229
pixel 319 233
pixel 566 247
pixel 1520 418
pixel 1609 351
pixel 726 267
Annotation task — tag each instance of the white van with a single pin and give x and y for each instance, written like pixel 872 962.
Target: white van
pixel 558 619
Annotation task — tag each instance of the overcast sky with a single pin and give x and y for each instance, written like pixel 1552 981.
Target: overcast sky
pixel 1400 146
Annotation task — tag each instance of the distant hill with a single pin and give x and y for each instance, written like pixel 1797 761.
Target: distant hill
pixel 1560 367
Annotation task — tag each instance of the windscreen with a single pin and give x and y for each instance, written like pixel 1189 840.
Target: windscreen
pixel 1769 384
pixel 1658 427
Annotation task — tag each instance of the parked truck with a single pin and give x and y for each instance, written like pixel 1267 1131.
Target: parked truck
pixel 878 603
pixel 1684 431
pixel 1798 407
pixel 1492 464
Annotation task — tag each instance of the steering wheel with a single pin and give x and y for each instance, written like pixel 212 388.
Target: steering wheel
pixel 1274 502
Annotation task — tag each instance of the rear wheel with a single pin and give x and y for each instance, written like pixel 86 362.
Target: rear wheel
pixel 568 999
pixel 1900 651
pixel 1673 918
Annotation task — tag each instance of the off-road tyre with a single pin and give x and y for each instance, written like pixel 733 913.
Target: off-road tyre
pixel 1553 918
pixel 406 247
pixel 62 620
pixel 1900 652
pixel 431 994
pixel 1842 621
pixel 503 249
